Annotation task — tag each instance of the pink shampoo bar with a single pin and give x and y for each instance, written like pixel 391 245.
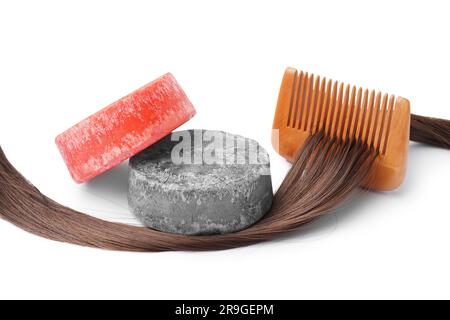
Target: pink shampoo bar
pixel 124 128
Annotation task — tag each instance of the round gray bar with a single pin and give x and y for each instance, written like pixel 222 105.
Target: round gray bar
pixel 200 182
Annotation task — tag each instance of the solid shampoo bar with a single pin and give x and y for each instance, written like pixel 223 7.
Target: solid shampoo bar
pixel 200 182
pixel 124 128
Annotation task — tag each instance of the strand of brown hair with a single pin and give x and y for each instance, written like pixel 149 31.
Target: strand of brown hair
pixel 433 131
pixel 324 175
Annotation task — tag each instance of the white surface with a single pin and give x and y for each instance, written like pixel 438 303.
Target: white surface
pixel 61 61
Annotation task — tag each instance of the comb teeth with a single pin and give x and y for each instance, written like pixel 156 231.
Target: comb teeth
pixel 341 111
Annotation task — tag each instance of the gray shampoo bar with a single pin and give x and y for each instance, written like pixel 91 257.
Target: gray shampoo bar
pixel 200 182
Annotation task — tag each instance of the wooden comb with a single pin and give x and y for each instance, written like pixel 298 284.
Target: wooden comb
pixel 308 104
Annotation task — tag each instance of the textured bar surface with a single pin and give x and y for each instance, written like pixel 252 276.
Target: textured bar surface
pixel 124 128
pixel 203 197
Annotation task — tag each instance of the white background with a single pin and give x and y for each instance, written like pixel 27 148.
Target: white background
pixel 61 61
